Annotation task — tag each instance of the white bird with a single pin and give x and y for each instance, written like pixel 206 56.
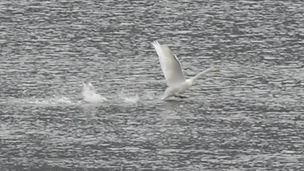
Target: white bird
pixel 89 94
pixel 173 73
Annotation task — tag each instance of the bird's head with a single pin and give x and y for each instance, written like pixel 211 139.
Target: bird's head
pixel 215 69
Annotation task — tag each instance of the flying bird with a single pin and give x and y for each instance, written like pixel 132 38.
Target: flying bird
pixel 173 73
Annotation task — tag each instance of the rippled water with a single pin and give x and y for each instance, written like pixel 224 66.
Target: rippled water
pixel 248 116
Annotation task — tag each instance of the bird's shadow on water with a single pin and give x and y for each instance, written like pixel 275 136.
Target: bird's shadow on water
pixel 178 111
pixel 174 104
pixel 186 106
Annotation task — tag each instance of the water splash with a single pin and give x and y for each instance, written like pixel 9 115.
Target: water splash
pixel 129 98
pixel 89 94
pixel 88 97
pixel 150 95
pixel 55 100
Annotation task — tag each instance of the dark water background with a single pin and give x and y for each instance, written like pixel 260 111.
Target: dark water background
pixel 248 116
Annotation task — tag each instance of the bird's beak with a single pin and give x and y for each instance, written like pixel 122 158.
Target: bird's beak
pixel 215 69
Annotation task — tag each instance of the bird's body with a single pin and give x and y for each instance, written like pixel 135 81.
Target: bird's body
pixel 176 90
pixel 173 73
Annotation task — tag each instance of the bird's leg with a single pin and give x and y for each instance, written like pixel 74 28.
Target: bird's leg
pixel 179 96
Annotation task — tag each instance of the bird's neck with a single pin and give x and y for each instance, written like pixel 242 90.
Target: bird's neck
pixel 193 79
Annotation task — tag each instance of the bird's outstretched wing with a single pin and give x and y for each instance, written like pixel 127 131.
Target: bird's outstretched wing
pixel 170 65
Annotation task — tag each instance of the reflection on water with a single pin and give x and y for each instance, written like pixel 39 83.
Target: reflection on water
pixel 248 116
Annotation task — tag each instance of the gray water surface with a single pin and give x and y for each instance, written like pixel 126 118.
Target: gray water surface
pixel 247 116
